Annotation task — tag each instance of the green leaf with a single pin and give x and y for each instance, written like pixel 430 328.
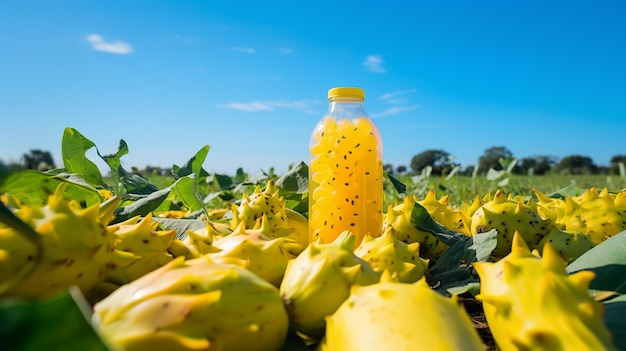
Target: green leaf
pixel 74 147
pixel 142 206
pixel 453 273
pixel 193 165
pixel 614 312
pixel 608 261
pixel 33 187
pixel 296 180
pixel 57 323
pixel 181 225
pixel 185 189
pixel 134 184
pixel 397 184
pixel 113 160
pixel 421 219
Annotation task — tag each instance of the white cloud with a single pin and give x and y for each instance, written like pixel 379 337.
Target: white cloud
pixel 243 49
pixel 118 47
pixel 398 96
pixel 285 51
pixel 394 111
pixel 374 63
pixel 305 105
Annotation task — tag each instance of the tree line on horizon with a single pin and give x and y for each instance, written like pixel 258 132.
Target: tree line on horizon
pixel 440 161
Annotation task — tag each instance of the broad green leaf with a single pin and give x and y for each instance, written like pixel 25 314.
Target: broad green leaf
pixel 135 184
pixel 142 206
pixel 453 272
pixel 614 312
pixel 193 165
pixel 421 219
pixel 296 180
pixel 181 225
pixel 74 147
pixel 223 181
pixel 56 323
pixel 608 261
pixel 185 189
pixel 113 160
pixel 570 190
pixel 33 188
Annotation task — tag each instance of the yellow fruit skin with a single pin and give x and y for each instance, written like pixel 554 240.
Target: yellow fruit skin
pixel 193 305
pixel 319 280
pixel 397 221
pixel 531 303
pixel 79 247
pixel 400 316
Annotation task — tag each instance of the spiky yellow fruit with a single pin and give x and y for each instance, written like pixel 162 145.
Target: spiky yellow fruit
pixel 439 210
pixel 193 305
pixel 399 316
pixel 79 247
pixel 531 303
pixel 508 215
pixel 319 280
pixel 397 221
pixel 142 237
pixel 256 251
pixel 386 253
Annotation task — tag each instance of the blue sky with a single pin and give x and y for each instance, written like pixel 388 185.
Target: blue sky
pixel 250 78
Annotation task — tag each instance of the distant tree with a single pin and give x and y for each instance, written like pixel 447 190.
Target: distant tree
pixel 576 164
pixel 388 167
pixel 540 164
pixel 468 171
pixel 401 169
pixel 492 156
pixel 615 160
pixel 439 160
pixel 38 159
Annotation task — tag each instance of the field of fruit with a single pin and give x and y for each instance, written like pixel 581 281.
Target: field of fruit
pixel 201 261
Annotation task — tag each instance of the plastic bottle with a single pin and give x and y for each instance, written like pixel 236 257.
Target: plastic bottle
pixel 345 170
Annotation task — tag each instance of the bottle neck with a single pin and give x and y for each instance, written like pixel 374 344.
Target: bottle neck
pixel 346 108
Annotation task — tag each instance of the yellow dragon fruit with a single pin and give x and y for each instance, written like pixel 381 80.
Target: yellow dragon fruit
pixel 439 210
pixel 507 216
pixel 386 253
pixel 79 247
pixel 199 242
pixel 142 237
pixel 256 251
pixel 568 245
pixel 531 303
pixel 319 280
pixel 598 215
pixel 397 221
pixel 193 305
pixel 283 221
pixel 398 316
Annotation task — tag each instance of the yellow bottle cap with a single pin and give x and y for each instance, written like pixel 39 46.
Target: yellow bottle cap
pixel 346 92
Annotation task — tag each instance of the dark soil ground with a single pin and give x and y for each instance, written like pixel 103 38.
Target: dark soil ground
pixel 475 310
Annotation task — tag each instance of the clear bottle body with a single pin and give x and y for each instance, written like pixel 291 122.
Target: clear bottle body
pixel 345 173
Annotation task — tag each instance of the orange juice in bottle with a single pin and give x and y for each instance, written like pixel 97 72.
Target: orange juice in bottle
pixel 345 170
